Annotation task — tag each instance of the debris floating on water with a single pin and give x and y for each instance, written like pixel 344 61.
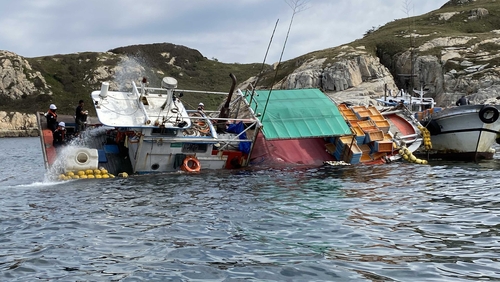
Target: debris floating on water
pixel 336 163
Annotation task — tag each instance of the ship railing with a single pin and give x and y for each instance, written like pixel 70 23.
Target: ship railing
pixel 154 89
pixel 249 124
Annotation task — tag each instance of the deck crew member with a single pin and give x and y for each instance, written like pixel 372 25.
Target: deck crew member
pixel 201 107
pixel 51 117
pixel 59 135
pixel 80 117
pixel 463 101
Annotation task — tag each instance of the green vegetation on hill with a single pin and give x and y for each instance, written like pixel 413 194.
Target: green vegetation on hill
pixel 72 77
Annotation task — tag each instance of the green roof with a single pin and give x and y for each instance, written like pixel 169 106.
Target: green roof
pixel 298 113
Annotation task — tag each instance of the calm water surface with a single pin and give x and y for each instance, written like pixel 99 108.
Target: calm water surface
pixel 396 222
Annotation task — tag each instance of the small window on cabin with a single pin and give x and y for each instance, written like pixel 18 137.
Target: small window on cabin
pixel 164 132
pixel 194 148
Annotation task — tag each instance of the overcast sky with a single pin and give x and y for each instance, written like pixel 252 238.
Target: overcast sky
pixel 232 31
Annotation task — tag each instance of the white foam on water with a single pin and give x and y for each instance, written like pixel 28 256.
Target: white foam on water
pixel 64 152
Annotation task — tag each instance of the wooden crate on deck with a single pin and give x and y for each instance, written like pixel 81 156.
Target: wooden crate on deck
pixel 374 135
pixel 366 124
pixel 350 116
pixel 352 154
pixel 343 107
pixel 377 118
pixel 363 115
pixel 358 108
pixel 383 125
pixel 365 148
pixel 374 110
pixel 383 146
pixel 360 134
pixel 349 139
pixel 365 157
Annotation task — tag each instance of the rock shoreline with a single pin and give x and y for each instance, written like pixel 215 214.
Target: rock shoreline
pixel 19 133
pixel 15 124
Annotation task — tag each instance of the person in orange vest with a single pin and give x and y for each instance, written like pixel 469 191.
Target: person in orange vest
pixel 51 117
pixel 59 135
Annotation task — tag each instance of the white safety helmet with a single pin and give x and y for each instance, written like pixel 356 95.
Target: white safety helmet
pixel 62 124
pixel 201 104
pixel 52 107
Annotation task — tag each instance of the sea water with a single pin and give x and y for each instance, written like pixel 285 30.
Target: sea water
pixel 394 222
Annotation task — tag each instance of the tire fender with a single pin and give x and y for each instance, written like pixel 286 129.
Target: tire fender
pixel 488 114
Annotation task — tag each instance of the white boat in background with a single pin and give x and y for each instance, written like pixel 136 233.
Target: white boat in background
pixel 414 103
pixel 462 133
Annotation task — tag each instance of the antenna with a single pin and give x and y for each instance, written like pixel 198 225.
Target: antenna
pixel 297 6
pixel 263 64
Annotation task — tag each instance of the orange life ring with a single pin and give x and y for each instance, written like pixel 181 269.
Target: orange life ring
pixel 191 164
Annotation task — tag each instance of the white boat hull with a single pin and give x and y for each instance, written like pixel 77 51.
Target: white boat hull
pixel 460 134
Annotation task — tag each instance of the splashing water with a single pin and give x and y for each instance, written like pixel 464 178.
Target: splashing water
pixel 67 152
pixel 129 69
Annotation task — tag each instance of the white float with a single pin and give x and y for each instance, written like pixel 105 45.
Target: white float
pixel 81 159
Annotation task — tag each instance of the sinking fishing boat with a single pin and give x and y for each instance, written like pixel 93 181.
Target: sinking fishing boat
pixel 149 130
pixel 305 127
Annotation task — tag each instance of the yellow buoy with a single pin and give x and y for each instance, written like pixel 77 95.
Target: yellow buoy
pixel 84 176
pixel 89 171
pixel 81 172
pixel 104 171
pixel 90 176
pixel 70 173
pixel 105 176
pixel 123 174
pixel 111 175
pixel 98 176
pixel 75 176
pixel 97 171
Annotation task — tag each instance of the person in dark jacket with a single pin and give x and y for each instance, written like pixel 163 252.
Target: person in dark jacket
pixel 463 101
pixel 59 135
pixel 51 117
pixel 80 117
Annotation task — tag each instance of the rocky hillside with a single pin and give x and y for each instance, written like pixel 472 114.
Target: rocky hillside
pixel 450 52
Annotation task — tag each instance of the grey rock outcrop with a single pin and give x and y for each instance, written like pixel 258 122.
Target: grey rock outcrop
pixel 353 76
pixel 14 124
pixel 18 79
